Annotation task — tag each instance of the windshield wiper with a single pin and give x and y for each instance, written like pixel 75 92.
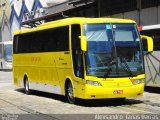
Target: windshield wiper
pixel 127 67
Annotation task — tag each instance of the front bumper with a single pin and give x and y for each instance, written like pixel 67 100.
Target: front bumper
pixel 100 92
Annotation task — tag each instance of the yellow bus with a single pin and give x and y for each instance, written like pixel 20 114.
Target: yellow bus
pixel 87 58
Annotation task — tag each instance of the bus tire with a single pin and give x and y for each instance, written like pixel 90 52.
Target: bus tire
pixel 70 94
pixel 26 86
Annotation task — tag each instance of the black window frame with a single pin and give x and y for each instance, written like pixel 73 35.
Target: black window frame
pixel 77 54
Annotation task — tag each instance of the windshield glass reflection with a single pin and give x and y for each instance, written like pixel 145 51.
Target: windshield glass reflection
pixel 113 50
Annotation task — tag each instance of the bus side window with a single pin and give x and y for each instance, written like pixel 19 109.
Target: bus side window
pixel 76 51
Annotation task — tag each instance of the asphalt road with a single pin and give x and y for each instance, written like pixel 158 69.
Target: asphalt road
pixel 41 105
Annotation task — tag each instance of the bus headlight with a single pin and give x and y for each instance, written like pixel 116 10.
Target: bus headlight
pixel 95 83
pixel 138 81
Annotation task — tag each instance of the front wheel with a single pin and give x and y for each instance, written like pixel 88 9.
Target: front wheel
pixel 26 86
pixel 70 94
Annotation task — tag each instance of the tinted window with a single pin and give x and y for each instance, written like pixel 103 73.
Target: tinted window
pixel 50 40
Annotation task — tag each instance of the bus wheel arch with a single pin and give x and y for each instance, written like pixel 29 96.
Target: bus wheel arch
pixel 26 85
pixel 69 91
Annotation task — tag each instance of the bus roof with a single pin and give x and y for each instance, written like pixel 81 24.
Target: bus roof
pixel 75 20
pixel 150 27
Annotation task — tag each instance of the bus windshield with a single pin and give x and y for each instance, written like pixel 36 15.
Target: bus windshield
pixel 114 50
pixel 8 52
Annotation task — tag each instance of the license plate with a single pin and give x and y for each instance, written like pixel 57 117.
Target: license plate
pixel 118 91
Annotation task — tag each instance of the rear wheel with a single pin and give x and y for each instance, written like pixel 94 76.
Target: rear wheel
pixel 70 94
pixel 26 86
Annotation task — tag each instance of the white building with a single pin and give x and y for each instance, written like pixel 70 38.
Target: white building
pixel 4 20
pixel 22 10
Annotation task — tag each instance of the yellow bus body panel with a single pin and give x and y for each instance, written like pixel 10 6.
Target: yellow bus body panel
pixel 42 68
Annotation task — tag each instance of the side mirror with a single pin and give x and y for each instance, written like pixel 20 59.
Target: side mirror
pixel 83 41
pixel 147 43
